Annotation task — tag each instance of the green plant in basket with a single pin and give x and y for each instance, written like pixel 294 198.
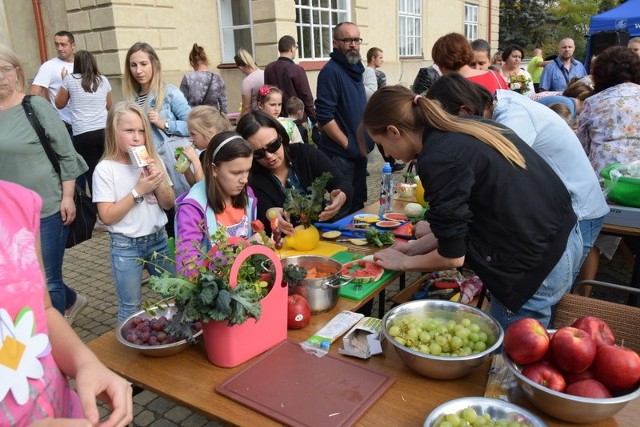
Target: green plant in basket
pixel 202 291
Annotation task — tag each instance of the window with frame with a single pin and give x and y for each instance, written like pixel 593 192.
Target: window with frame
pixel 236 30
pixel 471 21
pixel 315 20
pixel 410 27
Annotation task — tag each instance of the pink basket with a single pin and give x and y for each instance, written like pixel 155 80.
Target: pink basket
pixel 229 346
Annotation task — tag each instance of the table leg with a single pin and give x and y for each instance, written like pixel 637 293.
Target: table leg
pixel 381 304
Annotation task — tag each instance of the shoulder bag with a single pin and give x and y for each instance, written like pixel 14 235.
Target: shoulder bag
pixel 81 228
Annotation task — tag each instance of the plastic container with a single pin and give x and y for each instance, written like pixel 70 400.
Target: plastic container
pixel 230 346
pixel 386 190
pixel 182 162
pixel 625 190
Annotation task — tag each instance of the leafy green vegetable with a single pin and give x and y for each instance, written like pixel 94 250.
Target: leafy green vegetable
pixel 293 274
pixel 307 208
pixel 379 238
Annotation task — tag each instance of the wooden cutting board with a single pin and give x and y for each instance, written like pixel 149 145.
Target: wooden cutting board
pixel 300 389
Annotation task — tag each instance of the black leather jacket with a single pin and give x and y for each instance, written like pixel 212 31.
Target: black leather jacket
pixel 425 78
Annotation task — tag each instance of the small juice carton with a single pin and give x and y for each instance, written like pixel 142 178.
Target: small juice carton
pixel 139 156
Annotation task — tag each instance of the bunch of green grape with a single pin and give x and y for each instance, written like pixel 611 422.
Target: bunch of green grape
pixel 440 337
pixel 468 417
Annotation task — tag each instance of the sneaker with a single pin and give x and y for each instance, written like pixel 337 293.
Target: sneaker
pixel 77 307
pixel 397 166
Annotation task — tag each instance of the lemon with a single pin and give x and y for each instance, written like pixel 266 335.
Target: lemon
pixel 420 193
pixel 303 239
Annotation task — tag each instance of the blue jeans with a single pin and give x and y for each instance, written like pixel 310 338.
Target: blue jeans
pixel 126 266
pixel 554 286
pixel 53 237
pixel 590 229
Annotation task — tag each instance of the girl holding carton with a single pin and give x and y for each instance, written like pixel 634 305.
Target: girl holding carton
pixel 131 201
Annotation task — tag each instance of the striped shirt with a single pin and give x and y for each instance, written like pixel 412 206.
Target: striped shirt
pixel 88 109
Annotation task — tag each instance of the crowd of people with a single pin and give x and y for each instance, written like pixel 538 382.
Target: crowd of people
pixel 473 123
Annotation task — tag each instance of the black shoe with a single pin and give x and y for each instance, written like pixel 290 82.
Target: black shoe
pixel 398 166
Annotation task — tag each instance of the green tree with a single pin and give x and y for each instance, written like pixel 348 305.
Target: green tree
pixel 525 22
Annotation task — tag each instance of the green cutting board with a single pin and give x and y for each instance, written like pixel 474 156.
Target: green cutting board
pixel 359 292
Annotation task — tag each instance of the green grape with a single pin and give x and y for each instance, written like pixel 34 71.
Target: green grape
pixel 479 346
pixel 463 333
pixel 482 336
pixel 435 349
pixel 469 415
pixel 474 327
pixel 394 331
pixel 473 336
pixel 465 322
pixel 456 343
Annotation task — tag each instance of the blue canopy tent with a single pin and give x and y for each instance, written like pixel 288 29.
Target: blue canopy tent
pixel 625 17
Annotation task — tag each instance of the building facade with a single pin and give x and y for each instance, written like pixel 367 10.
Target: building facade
pixel 404 29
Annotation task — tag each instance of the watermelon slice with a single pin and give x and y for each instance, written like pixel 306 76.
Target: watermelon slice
pixel 395 217
pixel 388 224
pixel 362 271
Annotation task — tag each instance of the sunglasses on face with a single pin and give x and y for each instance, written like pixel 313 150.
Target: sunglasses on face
pixel 271 147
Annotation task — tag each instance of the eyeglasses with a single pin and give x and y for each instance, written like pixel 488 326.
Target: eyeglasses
pixel 350 40
pixel 271 147
pixel 9 70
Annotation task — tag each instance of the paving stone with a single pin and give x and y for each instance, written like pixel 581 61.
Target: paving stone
pixel 177 414
pixel 160 405
pixel 162 422
pixel 144 418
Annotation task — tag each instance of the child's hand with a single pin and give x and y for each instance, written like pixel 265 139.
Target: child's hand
pixel 150 178
pixel 190 153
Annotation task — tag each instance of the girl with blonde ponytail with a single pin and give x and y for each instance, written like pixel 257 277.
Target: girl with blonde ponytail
pixel 495 205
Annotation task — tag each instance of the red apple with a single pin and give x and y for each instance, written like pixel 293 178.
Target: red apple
pixel 545 374
pixel 298 312
pixel 526 341
pixel 574 377
pixel 617 367
pixel 572 349
pixel 589 388
pixel 599 330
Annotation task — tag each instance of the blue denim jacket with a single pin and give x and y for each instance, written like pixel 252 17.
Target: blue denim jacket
pixel 175 110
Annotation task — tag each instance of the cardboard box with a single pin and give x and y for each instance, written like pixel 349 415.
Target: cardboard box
pixel 364 339
pixel 625 216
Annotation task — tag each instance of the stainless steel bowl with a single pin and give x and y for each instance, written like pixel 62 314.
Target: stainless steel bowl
pixel 573 409
pixel 442 367
pixel 496 408
pixel 322 293
pixel 156 350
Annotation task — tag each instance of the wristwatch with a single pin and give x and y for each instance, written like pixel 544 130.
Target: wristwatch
pixel 136 197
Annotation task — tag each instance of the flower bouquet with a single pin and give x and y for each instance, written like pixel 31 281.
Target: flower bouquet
pixel 519 83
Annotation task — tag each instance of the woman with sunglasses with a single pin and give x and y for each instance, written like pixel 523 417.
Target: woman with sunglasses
pixel 278 165
pixel 221 199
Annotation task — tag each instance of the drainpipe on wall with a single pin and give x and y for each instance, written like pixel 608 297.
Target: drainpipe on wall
pixel 37 13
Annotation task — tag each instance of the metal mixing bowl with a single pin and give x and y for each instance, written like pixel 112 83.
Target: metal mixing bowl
pixel 496 408
pixel 156 350
pixel 573 409
pixel 442 367
pixel 322 293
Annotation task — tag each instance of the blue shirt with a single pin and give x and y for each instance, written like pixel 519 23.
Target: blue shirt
pixel 556 77
pixel 555 142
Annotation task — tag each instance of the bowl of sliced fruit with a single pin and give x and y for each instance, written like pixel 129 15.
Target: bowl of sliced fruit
pixel 481 411
pixel 148 332
pixel 441 339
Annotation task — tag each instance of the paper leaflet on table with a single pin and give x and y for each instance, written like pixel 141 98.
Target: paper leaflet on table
pixel 320 342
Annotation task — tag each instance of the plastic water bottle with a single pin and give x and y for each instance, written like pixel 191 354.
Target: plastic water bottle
pixel 386 190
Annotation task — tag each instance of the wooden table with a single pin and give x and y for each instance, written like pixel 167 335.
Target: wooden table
pixel 190 380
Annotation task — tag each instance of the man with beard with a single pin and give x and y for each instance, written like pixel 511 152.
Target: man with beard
pixel 560 71
pixel 340 102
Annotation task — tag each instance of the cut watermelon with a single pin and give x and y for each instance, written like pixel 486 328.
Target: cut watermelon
pixel 362 271
pixel 388 224
pixel 395 217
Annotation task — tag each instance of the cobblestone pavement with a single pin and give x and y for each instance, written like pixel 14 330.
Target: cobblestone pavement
pixel 87 269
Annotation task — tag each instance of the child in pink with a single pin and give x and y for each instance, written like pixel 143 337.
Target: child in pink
pixel 37 346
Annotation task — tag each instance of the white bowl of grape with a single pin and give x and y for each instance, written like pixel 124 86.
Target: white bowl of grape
pixel 146 331
pixel 481 411
pixel 441 339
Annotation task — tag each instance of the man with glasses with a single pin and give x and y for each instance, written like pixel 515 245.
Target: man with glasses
pixel 290 77
pixel 52 72
pixel 340 103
